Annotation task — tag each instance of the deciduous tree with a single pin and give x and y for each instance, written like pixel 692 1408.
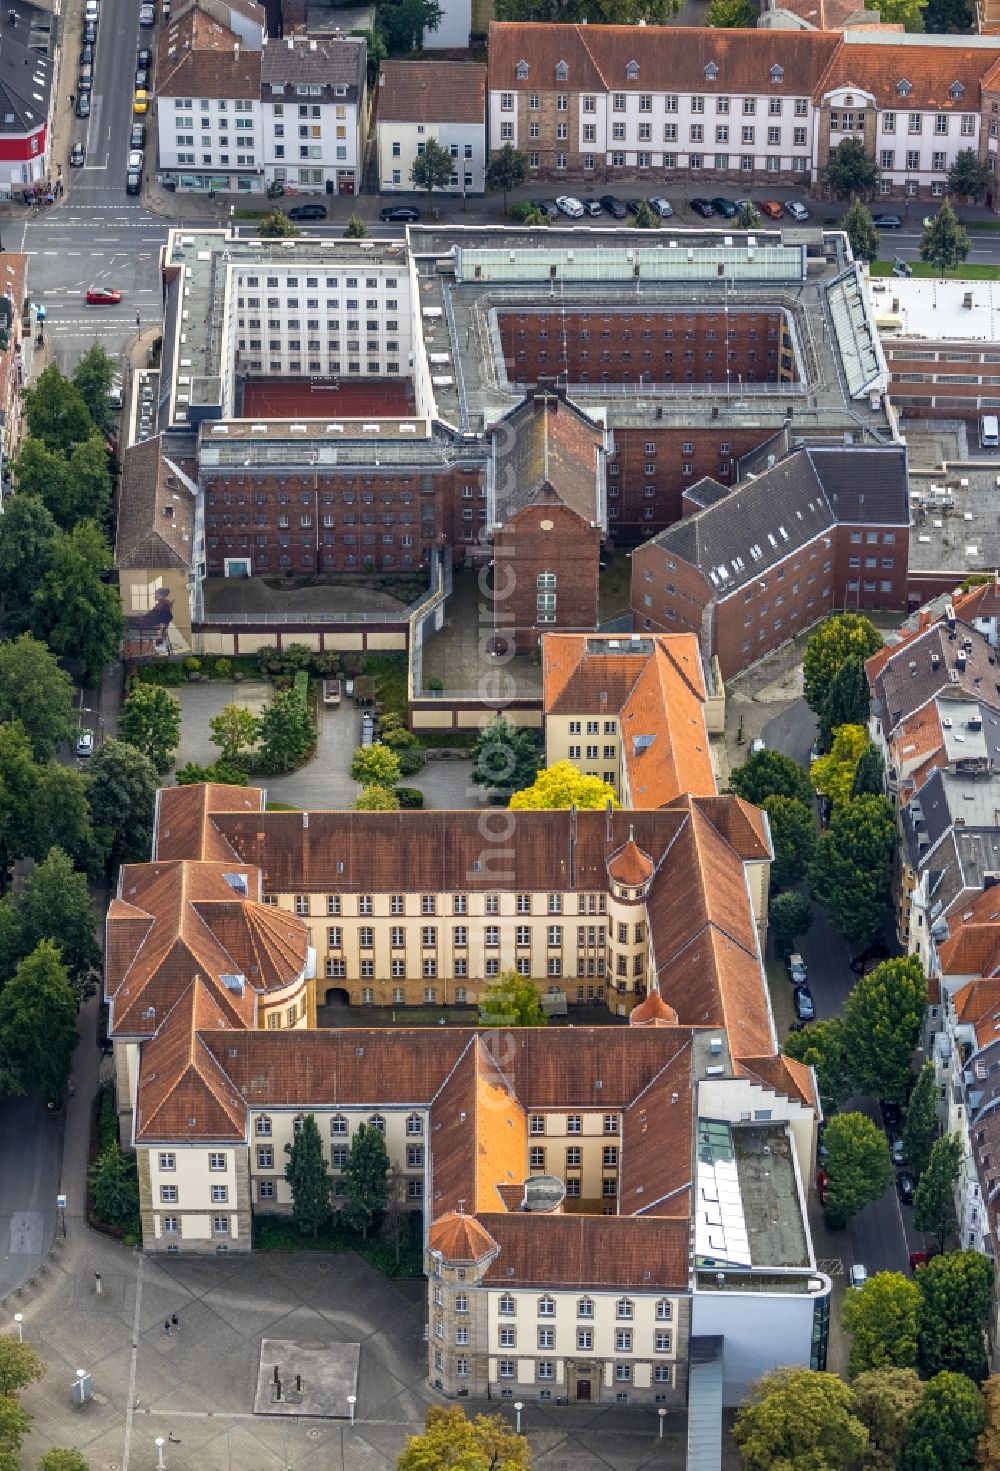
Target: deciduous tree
pixel 355 229
pixel 944 1429
pixel 833 774
pixel 234 730
pixel 35 691
pixel 18 783
pixel 731 15
pixel 847 701
pixel 850 872
pixel 396 1216
pixel 644 217
pixel 505 758
pixel 770 774
pixel 37 1026
pixel 858 1166
pixel 27 536
pixel 989 1441
pixel 821 1046
pixel 376 765
pixel 123 787
pixel 506 170
pixel 62 814
pixel 433 168
pixel 600 12
pixel 968 175
pixel 885 1401
pixel 921 1127
pixel 956 1291
pixel 191 774
pixel 55 905
pixel 882 1019
pixel 376 799
pixel 150 720
pixel 450 1440
pixel 286 732
pixel 15 1422
pixel 944 243
pixel 800 1418
pixel 946 16
pixel 906 13
pixel 934 1201
pixel 309 1178
pixel 882 1318
pixel 404 22
pixel 55 411
pixel 277 225
pixel 77 613
pixel 512 1001
pixel 365 1178
pixel 789 915
pixel 20 1365
pixel 748 216
pixel 561 786
pixel 114 1185
pixel 793 835
pixel 64 1460
pixel 861 232
pixel 93 377
pixel 869 774
pixel 851 170
pixel 837 639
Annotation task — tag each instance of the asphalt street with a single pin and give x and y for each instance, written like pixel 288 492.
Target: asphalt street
pixel 30 1165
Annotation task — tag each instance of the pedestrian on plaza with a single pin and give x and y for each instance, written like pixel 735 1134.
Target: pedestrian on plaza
pixel 174 1323
pixel 166 1328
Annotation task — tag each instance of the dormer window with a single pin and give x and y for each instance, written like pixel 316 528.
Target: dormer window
pixel 632 70
pixel 711 72
pixel 904 88
pixel 956 90
pixel 562 71
pixel 522 71
pixel 777 74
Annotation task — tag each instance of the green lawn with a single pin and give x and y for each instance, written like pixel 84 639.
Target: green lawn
pixel 920 268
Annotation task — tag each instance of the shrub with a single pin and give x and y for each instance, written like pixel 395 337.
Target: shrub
pixel 268 662
pixel 192 665
pixel 296 656
pixel 326 664
pixel 301 687
pixel 410 760
pixel 223 669
pixel 409 796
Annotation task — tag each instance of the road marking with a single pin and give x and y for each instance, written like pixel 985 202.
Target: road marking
pixel 833 1266
pixel 133 1366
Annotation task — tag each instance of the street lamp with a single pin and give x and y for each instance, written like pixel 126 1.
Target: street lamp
pixel 161 1464
pixel 352 1400
pixel 518 1407
pixel 663 1415
pixel 19 1320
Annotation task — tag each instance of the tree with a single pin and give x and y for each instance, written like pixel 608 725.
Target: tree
pixel 277 225
pixel 512 1001
pixel 505 758
pixel 562 785
pixel 861 232
pixel 404 23
pixel 601 12
pixel 396 1217
pixel 77 613
pixel 55 905
pixel 789 915
pixel 645 217
pixel 944 16
pixel 73 487
pixel 833 774
pixel 906 13
pixel 486 1443
pixel 191 774
pixel 18 783
pixel 882 1019
pixel 956 1295
pixel 20 1365
pixel 376 765
pixel 968 175
pixel 869 774
pixel 821 1046
pixel 793 834
pixel 37 1025
pixel 799 1418
pixel 233 730
pixel 55 411
pixel 944 1431
pixel 35 691
pixel 27 535
pixel 748 216
pixel 851 170
pixel 934 1201
pixel 15 1422
pixel 846 700
pixel 64 1460
pixel 376 799
pixel 355 229
pixel 858 1166
pixel 506 170
pixel 93 378
pixel 114 1185
pixel 123 787
pixel 837 639
pixel 286 732
pixel 365 1178
pixel 433 168
pixel 921 1127
pixel 882 1319
pixel 770 774
pixel 731 15
pixel 150 720
pixel 309 1178
pixel 989 1441
pixel 885 1399
pixel 944 243
pixel 850 872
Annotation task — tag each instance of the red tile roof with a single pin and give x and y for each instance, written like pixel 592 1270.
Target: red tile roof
pixel 198 56
pixel 878 69
pixel 431 92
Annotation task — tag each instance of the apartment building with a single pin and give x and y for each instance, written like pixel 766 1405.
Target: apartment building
pixel 755 565
pixel 314 112
pixel 632 711
pixel 420 100
pixel 26 97
pixel 938 346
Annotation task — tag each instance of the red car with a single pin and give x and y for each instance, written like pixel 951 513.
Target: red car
pixel 821 1186
pixel 103 296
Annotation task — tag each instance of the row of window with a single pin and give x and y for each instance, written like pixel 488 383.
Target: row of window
pixel 748 162
pixel 167 1161
pixel 169 1195
pixel 670 101
pixel 586 935
pixel 339 1124
pixel 336 970
pixel 170 1225
pixel 545 1307
pixel 332 283
pixel 586 903
pixel 546 1339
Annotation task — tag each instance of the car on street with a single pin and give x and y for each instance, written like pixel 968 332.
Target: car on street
pixel 135 159
pixel 661 206
pixel 822 1183
pixel 76 156
pixel 805 1006
pixel 137 137
pixel 906 1185
pixel 614 206
pixel 797 973
pixel 772 209
pixel 147 15
pixel 103 296
pixel 858 1275
pixel 887 222
pixel 308 212
pixel 141 78
pixel 85 80
pixel 144 57
pixel 703 207
pixel 87 53
pixel 892 1115
pixel 548 208
pixel 90 32
pixel 724 207
pixel 399 214
pixel 898 1152
pixel 569 206
pixel 85 743
pixel 796 209
pixel 592 207
pixel 140 103
pixel 83 105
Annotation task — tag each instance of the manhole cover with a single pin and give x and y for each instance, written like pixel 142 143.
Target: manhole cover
pixel 322 1266
pixel 113 1466
pixel 313 1434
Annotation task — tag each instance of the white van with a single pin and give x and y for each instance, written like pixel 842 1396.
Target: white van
pixel 989 431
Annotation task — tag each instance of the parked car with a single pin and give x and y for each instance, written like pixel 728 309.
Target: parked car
pixel 858 1275
pixel 772 209
pixel 137 137
pixel 805 1006
pixel 87 53
pixel 400 214
pixel 796 209
pixel 887 222
pixel 76 156
pixel 900 268
pixel 724 207
pixel 140 103
pixel 822 1183
pixel 103 296
pixel 907 1186
pixel 308 212
pixel 85 744
pixel 898 1152
pixel 703 207
pixel 147 15
pixel 548 208
pixel 569 206
pixel 85 80
pixel 614 207
pixel 136 158
pixel 918 1259
pixel 661 206
pixel 141 78
pixel 797 969
pixel 144 57
pixel 592 207
pixel 892 1115
pixel 83 105
pixel 90 32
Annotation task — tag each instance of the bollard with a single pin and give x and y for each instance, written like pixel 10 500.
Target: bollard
pixel 277 1389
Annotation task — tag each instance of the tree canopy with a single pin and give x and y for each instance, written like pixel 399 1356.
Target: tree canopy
pixel 731 15
pixel 882 1019
pixel 885 1400
pixel 376 799
pixel 850 872
pixel 286 732
pixel 944 243
pixel 77 613
pixel 20 1365
pixel 452 1442
pixel 403 23
pixel 789 914
pixel 512 1001
pixel 846 701
pixel 821 1045
pixel 851 170
pixel 234 729
pixel 27 536
pixel 793 834
pixel 861 232
pixel 833 774
pixel 55 411
pixel 433 168
pixel 55 904
pixel 882 1318
pixel 376 765
pixel 37 1025
pixel 365 1178
pixel 934 1201
pixel 309 1177
pixel 563 785
pixel 956 1293
pixel 93 377
pixel 506 170
pixel 63 1460
pixel 799 1418
pixel 123 787
pixel 35 691
pixel 844 636
pixel 150 720
pixel 603 12
pixel 869 774
pixel 906 13
pixel 944 1428
pixel 858 1166
pixel 505 758
pixel 770 774
pixel 921 1127
pixel 968 175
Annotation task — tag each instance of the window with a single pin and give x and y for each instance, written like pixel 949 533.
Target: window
pixel 377 1122
pixel 610 1158
pixel 508 1338
pixel 506 1306
pixel 220 1194
pixel 536 1123
pixel 664 1340
pixel 623 1373
pixel 611 1123
pixel 574 1124
pixel 546 1307
pixel 216 1161
pixel 168 1161
pixel 623 1341
pixel 584 1338
pixel 585 1307
pixel 265 1157
pixel 168 1194
pixel 624 1308
pixel 546 1338
pixel 536 1157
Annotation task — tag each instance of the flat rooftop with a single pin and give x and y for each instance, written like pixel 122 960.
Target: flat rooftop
pixel 938 311
pixel 772 1207
pixel 955 527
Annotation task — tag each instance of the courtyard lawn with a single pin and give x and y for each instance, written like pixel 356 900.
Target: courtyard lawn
pixel 931 273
